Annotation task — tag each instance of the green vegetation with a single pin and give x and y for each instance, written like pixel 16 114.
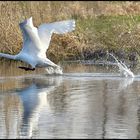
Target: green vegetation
pixel 101 26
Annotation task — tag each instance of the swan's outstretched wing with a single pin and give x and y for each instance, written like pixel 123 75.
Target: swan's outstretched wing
pixel 45 30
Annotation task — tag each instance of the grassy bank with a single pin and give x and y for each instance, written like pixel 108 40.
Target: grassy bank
pixel 93 37
pixel 100 27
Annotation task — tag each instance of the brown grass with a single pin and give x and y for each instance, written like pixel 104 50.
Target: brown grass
pixel 13 12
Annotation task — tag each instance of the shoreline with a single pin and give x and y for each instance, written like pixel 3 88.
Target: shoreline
pixel 93 57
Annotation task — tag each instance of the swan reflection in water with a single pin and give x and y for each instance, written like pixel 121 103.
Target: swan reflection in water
pixel 58 106
pixel 34 99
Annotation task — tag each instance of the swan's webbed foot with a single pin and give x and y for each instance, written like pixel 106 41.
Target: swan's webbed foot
pixel 26 68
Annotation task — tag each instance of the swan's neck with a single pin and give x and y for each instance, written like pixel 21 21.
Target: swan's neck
pixel 8 56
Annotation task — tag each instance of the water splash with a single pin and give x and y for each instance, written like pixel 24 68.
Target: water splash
pixel 124 83
pixel 52 70
pixel 124 70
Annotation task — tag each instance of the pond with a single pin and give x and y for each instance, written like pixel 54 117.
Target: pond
pixel 87 101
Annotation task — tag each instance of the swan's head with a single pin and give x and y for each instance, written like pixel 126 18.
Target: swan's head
pixel 28 22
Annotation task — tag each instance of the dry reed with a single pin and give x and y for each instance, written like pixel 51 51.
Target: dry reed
pixel 72 44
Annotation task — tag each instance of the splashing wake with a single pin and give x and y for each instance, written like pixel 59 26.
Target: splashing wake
pixel 57 70
pixel 124 70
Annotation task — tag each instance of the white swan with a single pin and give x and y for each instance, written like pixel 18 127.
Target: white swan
pixel 36 42
pixel 124 71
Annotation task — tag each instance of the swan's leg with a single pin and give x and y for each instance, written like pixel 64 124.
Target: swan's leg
pixel 26 68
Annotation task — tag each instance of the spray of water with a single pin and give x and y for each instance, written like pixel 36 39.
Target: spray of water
pixel 57 70
pixel 124 70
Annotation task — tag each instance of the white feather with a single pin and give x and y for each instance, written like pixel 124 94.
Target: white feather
pixel 45 31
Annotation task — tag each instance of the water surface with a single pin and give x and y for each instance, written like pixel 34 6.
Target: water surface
pixel 87 101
